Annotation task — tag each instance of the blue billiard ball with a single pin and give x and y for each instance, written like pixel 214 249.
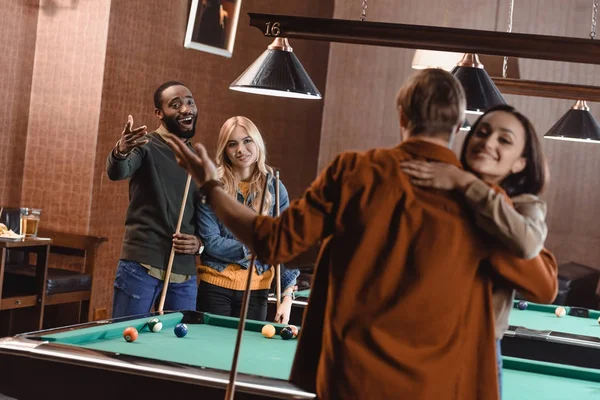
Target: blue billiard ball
pixel 181 330
pixel 522 305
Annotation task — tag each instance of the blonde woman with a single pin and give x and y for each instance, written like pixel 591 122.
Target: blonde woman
pixel 241 162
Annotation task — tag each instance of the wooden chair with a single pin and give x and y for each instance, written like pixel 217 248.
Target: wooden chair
pixel 65 285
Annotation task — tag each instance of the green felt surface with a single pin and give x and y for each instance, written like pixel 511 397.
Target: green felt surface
pixel 207 345
pixel 542 317
pixel 527 379
pixel 211 345
pixel 302 293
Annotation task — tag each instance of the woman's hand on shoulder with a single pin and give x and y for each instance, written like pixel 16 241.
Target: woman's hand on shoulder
pixel 437 175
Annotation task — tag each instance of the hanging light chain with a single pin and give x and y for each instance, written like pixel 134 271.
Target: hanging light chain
pixel 511 8
pixel 363 15
pixel 594 18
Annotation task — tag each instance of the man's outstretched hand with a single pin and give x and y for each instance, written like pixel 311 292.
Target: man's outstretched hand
pixel 131 137
pixel 198 165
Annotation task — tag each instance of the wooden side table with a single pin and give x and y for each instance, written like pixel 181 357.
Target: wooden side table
pixel 40 247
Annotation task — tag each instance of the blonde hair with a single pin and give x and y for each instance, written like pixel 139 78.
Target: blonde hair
pixel 225 168
pixel 433 102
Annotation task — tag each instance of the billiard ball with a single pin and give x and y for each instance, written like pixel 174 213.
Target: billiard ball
pixel 286 333
pixel 599 320
pixel 522 305
pixel 560 312
pixel 294 329
pixel 130 334
pixel 180 330
pixel 268 331
pixel 155 325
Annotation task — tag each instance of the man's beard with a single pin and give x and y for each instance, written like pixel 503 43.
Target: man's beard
pixel 173 127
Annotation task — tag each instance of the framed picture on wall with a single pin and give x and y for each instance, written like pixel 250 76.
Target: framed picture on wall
pixel 212 26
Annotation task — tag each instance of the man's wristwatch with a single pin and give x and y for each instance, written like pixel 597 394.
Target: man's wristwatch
pixel 118 154
pixel 204 190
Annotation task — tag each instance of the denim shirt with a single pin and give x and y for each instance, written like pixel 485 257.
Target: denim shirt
pixel 221 247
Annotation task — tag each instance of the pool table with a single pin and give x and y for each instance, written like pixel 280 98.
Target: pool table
pixel 535 333
pixel 93 361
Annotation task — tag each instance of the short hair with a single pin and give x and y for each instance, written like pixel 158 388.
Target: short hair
pixel 433 102
pixel 159 91
pixel 535 175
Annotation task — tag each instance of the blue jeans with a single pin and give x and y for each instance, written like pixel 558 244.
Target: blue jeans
pixel 499 363
pixel 136 291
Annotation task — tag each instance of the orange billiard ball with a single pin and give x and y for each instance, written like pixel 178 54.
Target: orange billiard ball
pixel 130 334
pixel 560 312
pixel 268 331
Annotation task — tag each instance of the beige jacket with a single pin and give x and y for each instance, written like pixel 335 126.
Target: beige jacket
pixel 521 227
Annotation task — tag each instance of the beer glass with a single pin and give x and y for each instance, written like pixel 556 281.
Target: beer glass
pixel 30 219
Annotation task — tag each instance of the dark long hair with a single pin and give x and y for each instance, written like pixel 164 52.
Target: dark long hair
pixel 533 177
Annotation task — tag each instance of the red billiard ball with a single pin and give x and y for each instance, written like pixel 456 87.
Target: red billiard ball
pixel 130 334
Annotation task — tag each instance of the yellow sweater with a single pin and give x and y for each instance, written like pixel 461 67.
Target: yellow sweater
pixel 234 277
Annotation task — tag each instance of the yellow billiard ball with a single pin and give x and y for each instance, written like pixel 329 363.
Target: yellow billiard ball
pixel 268 331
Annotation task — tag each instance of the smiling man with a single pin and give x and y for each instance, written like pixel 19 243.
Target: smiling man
pixel 156 187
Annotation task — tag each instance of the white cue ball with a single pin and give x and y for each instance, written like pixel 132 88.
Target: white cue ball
pixel 560 312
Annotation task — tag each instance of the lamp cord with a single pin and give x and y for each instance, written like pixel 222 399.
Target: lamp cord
pixel 511 8
pixel 594 17
pixel 363 15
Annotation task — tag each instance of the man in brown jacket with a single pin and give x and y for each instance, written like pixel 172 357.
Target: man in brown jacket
pixel 399 306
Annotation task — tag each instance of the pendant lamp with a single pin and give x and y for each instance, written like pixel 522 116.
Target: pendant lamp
pixel 578 125
pixel 435 59
pixel 480 90
pixel 277 72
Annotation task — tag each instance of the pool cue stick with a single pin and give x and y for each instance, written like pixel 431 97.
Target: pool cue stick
pixel 244 311
pixel 278 266
pixel 163 295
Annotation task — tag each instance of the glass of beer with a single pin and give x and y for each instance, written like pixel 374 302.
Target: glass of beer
pixel 30 219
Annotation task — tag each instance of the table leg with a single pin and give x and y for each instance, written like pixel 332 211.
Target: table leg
pixel 2 263
pixel 41 277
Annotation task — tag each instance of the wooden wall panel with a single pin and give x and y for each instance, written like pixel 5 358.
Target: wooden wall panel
pixel 64 112
pixel 17 45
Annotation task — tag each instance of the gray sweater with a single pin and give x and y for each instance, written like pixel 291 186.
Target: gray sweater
pixel 156 188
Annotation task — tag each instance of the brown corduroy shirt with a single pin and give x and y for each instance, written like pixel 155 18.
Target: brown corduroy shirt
pixel 391 313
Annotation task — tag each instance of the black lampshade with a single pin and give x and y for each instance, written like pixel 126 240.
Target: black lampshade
pixel 277 72
pixel 578 124
pixel 480 90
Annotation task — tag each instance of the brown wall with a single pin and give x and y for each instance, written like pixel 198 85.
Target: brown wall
pixel 64 112
pixel 17 46
pixel 145 48
pixel 362 82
